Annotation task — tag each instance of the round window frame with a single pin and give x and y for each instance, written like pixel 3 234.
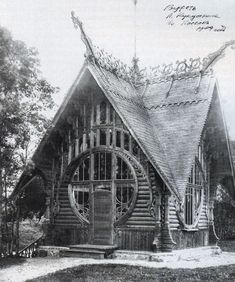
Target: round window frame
pixel 197 218
pixel 80 158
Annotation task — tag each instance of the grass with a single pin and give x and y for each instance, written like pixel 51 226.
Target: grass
pixel 119 273
pixel 227 246
pixel 9 261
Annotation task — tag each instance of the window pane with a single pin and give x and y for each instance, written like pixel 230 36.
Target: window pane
pixel 135 148
pixel 122 170
pixel 94 138
pixel 108 165
pixel 94 114
pixel 124 196
pixel 96 166
pixel 110 137
pixel 126 141
pixel 86 166
pixel 81 172
pixel 118 139
pixel 118 121
pixel 102 166
pixel 103 113
pixel 81 197
pixel 102 137
pixel 111 114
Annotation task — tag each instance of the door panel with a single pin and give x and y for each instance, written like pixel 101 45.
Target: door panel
pixel 102 222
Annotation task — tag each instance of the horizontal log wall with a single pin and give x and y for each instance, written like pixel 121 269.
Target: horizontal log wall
pixel 203 222
pixel 140 216
pixel 173 219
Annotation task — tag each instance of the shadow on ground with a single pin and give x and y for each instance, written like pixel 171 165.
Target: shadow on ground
pixel 227 246
pixel 119 273
pixel 7 262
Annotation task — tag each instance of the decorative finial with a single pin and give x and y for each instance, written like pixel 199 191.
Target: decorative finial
pixel 212 58
pixel 89 47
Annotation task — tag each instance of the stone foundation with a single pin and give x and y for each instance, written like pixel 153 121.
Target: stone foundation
pixel 190 239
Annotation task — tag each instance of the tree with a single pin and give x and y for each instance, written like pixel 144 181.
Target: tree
pixel 25 96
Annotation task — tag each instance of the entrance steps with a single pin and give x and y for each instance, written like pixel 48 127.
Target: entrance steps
pixel 89 251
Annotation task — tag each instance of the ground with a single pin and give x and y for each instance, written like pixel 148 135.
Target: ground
pixel 200 264
pixel 118 273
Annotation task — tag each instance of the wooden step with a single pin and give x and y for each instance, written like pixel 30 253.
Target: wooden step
pixel 84 254
pixel 89 251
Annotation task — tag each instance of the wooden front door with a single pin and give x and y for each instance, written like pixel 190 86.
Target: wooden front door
pixel 102 217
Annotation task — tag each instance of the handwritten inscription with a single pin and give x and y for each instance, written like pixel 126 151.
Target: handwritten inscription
pixel 189 16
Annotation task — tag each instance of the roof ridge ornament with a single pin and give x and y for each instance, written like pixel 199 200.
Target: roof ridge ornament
pixel 212 58
pixel 161 73
pixel 87 41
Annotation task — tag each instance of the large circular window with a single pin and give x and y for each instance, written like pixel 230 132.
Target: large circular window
pixel 103 170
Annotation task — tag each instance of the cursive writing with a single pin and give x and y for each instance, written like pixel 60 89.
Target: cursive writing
pixel 188 16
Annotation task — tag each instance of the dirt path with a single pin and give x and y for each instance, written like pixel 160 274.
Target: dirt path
pixel 36 267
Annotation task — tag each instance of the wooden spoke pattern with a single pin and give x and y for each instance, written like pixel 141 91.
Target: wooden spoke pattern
pixel 103 170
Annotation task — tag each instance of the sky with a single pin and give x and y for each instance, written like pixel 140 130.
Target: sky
pixel 161 36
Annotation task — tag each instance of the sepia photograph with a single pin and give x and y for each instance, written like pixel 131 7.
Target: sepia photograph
pixel 117 140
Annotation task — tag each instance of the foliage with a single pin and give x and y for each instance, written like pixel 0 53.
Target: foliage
pixel 32 201
pixel 25 98
pixel 224 214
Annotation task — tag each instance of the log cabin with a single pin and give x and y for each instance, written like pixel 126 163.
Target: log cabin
pixel 134 160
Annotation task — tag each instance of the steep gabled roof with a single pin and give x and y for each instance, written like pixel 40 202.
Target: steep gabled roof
pixel 129 105
pixel 166 124
pixel 178 120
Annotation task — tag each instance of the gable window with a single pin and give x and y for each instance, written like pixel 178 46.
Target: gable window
pixel 195 190
pixel 99 125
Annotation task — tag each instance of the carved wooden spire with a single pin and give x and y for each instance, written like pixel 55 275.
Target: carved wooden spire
pixel 87 41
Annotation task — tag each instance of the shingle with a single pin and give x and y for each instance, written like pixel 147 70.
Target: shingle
pixel 167 124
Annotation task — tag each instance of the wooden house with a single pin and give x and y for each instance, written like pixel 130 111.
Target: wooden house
pixel 134 160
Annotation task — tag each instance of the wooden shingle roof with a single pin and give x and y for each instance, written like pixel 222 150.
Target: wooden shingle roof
pixel 166 124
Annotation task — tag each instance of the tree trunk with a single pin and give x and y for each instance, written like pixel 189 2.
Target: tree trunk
pixel 1 211
pixel 5 207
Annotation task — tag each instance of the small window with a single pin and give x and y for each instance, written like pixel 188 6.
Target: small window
pixel 110 137
pixel 94 132
pixel 135 148
pixel 118 121
pixel 102 166
pixel 118 138
pixel 126 141
pixel 94 115
pixel 122 170
pixel 103 113
pixel 102 136
pixel 111 113
pixel 83 171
